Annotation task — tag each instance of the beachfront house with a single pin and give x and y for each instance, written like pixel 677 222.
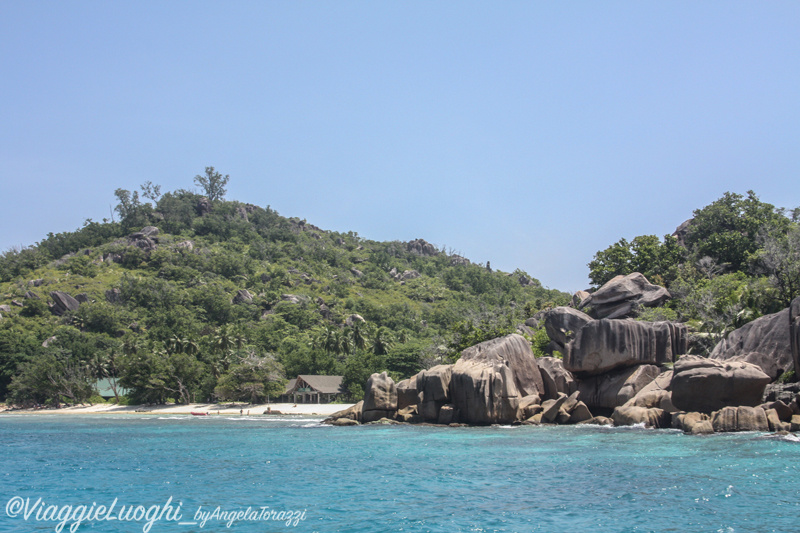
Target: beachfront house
pixel 313 389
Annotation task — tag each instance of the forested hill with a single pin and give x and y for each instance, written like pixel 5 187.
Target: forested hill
pixel 188 296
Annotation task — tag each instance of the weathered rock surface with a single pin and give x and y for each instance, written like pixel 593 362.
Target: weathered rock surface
pixel 623 295
pixel 484 389
pixel 555 378
pixel 628 415
pixel 515 352
pixel 5 308
pixel 766 337
pixel 407 393
pixel 433 391
pixel 562 323
pixel 614 389
pixel 742 418
pixel 421 247
pixel 63 302
pixel 657 394
pixel 604 345
pixel 353 413
pixel 380 393
pixel 794 332
pixel 706 385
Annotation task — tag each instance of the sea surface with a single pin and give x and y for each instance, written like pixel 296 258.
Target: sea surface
pixel 386 478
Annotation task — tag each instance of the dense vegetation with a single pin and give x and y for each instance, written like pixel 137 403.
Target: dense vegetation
pixel 165 315
pixel 737 259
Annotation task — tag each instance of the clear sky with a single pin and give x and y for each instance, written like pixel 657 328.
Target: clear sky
pixel 528 134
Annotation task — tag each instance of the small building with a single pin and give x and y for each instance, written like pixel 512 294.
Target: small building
pixel 313 389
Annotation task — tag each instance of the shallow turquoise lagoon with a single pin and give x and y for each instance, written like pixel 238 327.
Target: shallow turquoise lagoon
pixel 293 474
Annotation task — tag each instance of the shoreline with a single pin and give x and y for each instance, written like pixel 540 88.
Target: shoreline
pixel 211 409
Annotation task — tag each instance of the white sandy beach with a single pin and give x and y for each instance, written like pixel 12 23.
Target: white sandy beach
pixel 310 409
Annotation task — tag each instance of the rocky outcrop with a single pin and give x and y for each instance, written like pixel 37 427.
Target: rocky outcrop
pixel 555 378
pixel 484 392
pixel 242 296
pixel 515 352
pixel 113 295
pixel 614 389
pixel 203 206
pixel 562 323
pixel 768 336
pixel 623 296
pixel 63 302
pixel 421 247
pixel 657 393
pixel 604 345
pixel 380 398
pixel 740 418
pixel 794 332
pixel 706 385
pixel 409 274
pixel 433 391
pixel 629 415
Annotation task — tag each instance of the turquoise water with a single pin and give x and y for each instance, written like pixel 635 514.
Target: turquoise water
pixel 395 478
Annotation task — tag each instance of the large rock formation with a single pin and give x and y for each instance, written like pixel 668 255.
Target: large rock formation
pixel 740 419
pixel 63 302
pixel 769 336
pixel 604 345
pixel 484 392
pixel 556 378
pixel 623 295
pixel 421 247
pixel 562 323
pixel 706 385
pixel 515 352
pixel 380 398
pixel 794 332
pixel 613 389
pixel 433 391
pixel 657 393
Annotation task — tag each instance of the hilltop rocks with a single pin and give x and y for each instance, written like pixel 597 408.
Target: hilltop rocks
pixel 603 345
pixel 421 247
pixel 63 302
pixel 768 336
pixel 623 295
pixel 705 385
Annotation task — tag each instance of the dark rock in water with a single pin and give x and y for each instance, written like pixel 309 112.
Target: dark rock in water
pixel 63 302
pixel 353 413
pixel 242 296
pixel 706 385
pixel 604 345
pixel 515 352
pixel 562 323
pixel 344 422
pixel 380 396
pixel 613 389
pixel 767 336
pixel 693 422
pixel 623 295
pixel 555 377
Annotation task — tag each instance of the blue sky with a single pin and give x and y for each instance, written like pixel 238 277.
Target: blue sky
pixel 528 134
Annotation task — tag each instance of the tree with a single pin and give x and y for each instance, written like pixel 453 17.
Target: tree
pixel 646 254
pixel 727 230
pixel 779 258
pixel 254 378
pixel 213 183
pixel 151 191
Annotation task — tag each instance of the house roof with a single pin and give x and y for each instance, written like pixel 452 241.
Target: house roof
pixel 323 384
pixel 290 386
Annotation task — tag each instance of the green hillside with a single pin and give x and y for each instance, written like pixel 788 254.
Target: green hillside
pixel 224 300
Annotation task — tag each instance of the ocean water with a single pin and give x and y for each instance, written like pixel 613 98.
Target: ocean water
pixel 386 478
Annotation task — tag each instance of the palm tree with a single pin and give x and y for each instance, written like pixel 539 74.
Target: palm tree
pixel 382 341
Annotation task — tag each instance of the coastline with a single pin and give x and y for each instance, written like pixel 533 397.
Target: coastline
pixel 212 409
